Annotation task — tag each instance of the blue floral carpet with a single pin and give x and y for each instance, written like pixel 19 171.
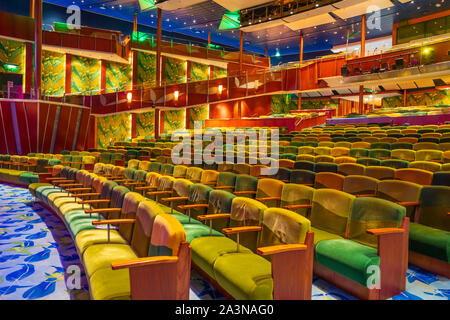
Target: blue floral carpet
pixel 38 260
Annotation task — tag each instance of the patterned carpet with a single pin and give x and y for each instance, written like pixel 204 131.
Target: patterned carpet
pixel 38 259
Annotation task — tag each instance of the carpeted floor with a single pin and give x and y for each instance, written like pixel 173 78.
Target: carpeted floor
pixel 38 260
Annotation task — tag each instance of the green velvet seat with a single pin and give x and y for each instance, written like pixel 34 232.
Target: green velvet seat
pixel 347 258
pixel 300 176
pixel 431 235
pixel 428 241
pixel 395 163
pixel 28 178
pixel 356 257
pixel 369 161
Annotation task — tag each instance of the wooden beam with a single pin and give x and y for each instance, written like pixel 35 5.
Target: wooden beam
pixel 135 24
pixel 361 99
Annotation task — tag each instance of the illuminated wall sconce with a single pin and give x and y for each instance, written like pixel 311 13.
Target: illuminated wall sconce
pixel 129 97
pixel 176 94
pixel 220 89
pixel 256 84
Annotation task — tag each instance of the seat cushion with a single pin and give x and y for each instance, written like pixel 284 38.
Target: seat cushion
pixel 80 214
pixel 348 258
pixel 70 206
pixel 79 225
pixel 44 192
pixel 89 237
pixel 34 186
pixel 100 256
pixel 196 230
pixel 29 177
pixel 108 284
pixel 55 195
pixel 60 201
pixel 184 219
pixel 246 276
pixel 320 235
pixel 206 250
pixel 431 242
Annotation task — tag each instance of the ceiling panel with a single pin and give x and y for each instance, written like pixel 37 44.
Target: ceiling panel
pixel 311 22
pixel 390 86
pixel 234 5
pixel 424 83
pixel 308 14
pixel 361 8
pixel 407 85
pixel 177 4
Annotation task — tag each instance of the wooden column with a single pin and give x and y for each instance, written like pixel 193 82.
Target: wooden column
pixel 133 125
pixel 156 123
pixel 209 39
pixel 265 52
pixel 135 24
pixel 37 47
pixel 241 52
pixel 28 66
pixel 361 100
pixel 134 72
pixel 299 101
pixel 363 36
pixel 158 48
pixel 68 87
pixel 301 49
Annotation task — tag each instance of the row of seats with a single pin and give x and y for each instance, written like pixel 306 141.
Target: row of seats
pixel 246 211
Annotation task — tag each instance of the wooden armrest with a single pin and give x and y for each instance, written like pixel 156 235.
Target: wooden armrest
pixel 104 210
pixel 224 187
pixel 145 188
pixel 264 251
pixel 89 194
pixel 44 174
pixel 134 184
pixel 268 199
pixel 94 201
pixel 174 199
pixel 141 262
pixel 408 204
pixel 210 183
pixel 113 221
pixel 307 184
pixel 241 229
pixel 64 181
pixel 193 206
pixel 71 185
pixel 194 180
pixel 382 231
pixel 204 217
pixel 78 189
pixel 244 192
pixel 159 192
pixel 298 206
pixel 121 180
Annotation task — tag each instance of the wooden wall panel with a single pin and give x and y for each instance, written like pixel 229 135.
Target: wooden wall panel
pixel 63 125
pixel 6 117
pixel 47 114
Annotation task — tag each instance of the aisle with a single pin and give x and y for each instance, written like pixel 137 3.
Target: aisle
pixel 37 257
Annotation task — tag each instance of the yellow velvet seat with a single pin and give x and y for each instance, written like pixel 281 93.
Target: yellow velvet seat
pixel 87 238
pixel 108 284
pixel 320 235
pixel 100 256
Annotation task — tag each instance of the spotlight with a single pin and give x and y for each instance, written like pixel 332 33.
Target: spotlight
pixel 176 94
pixel 129 97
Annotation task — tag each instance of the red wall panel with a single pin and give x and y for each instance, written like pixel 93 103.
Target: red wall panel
pixel 8 125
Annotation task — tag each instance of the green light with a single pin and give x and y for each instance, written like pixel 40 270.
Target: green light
pixel 61 27
pixel 10 67
pixel 230 20
pixel 277 54
pixel 140 36
pixel 147 5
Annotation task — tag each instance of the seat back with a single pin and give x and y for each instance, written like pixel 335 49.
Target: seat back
pixel 326 167
pixel 246 183
pixel 347 169
pixel 441 178
pixel 304 165
pixel 419 176
pixel 395 163
pixel 179 171
pixel 329 180
pixel 400 191
pixel 426 165
pixel 143 165
pixel 130 205
pixel 209 177
pixel 299 176
pixel 246 212
pixel 369 162
pixel 194 173
pixel 296 194
pixel 434 207
pixel 330 210
pixel 155 167
pixel 269 188
pixel 380 173
pixel 360 185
